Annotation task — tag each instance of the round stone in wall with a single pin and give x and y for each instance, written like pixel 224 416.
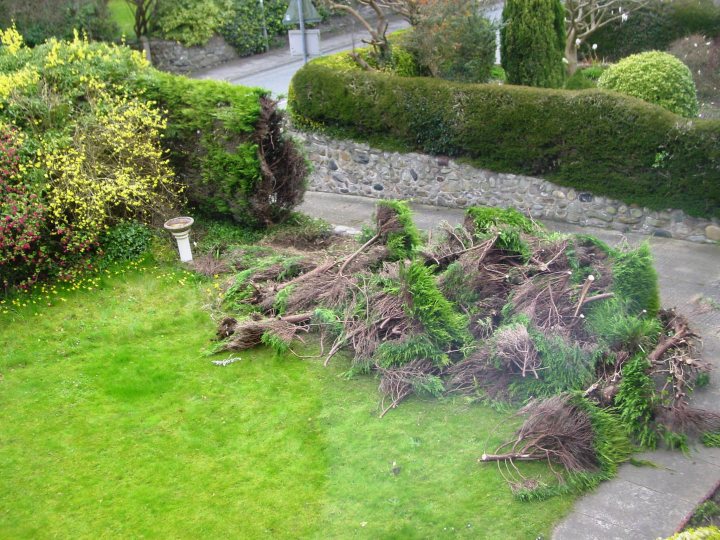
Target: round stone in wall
pixel 712 232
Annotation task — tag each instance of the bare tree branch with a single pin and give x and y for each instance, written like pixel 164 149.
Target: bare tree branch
pixel 584 17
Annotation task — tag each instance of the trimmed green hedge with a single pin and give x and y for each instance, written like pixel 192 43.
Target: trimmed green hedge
pixel 594 140
pixel 210 138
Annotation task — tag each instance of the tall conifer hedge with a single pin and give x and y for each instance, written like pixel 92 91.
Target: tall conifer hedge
pixel 532 41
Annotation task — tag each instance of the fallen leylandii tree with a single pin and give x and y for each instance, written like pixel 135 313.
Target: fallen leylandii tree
pixel 500 310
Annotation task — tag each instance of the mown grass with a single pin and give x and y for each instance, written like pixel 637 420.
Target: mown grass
pixel 114 424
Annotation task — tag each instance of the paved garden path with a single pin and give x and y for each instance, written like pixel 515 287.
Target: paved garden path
pixel 641 502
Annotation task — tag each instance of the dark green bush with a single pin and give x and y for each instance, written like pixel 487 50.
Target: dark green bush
pixel 213 138
pixel 244 30
pixel 453 41
pixel 243 26
pixel 654 27
pixel 126 241
pixel 594 140
pixel 585 78
pixel 532 42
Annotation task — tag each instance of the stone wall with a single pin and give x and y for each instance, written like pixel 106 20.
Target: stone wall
pixel 357 169
pixel 176 58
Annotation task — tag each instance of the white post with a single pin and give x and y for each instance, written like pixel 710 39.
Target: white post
pixel 183 242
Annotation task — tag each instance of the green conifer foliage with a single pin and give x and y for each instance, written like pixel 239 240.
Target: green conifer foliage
pixel 532 41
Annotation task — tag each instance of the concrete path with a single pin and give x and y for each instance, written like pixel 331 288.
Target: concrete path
pixel 641 502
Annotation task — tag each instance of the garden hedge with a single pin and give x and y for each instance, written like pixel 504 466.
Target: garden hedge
pixel 594 140
pixel 210 138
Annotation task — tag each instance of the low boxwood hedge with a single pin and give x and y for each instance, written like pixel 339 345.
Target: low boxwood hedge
pixel 593 140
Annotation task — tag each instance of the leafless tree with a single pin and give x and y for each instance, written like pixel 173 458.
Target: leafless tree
pixel 584 17
pixel 377 30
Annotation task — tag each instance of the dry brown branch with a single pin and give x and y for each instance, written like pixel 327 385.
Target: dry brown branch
pixel 678 325
pixel 550 256
pixel 583 293
pixel 483 249
pixel 555 430
pixel 476 373
pixel 209 265
pixel 248 334
pixel 378 38
pixel 515 349
pixel 545 299
pixel 274 271
pixel 362 248
pixel 688 420
pixel 397 383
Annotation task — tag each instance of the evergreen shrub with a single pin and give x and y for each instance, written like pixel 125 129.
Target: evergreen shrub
pixel 656 77
pixel 244 27
pixel 453 41
pixel 532 42
pixel 585 78
pixel 191 22
pixel 92 126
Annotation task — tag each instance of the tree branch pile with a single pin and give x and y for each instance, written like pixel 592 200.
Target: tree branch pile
pixel 495 309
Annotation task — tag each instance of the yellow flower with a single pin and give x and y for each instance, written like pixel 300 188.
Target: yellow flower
pixel 12 40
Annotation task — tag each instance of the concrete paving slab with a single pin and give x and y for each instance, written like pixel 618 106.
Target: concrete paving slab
pixel 708 455
pixel 684 477
pixel 593 529
pixel 629 507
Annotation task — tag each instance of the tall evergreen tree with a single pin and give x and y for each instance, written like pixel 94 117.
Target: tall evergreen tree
pixel 532 42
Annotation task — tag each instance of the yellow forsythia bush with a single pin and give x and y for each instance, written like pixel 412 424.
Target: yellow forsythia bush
pixel 115 166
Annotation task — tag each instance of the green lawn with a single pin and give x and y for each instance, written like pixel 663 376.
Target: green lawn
pixel 114 424
pixel 123 16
